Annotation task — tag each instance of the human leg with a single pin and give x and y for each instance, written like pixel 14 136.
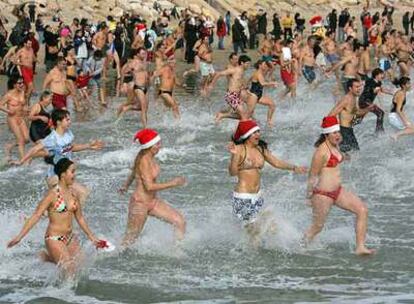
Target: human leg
pixel 165 212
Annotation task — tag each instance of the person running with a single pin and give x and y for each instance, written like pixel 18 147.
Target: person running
pixel 59 144
pixel 324 187
pixel 141 83
pixel 25 58
pixel 347 110
pixel 235 86
pixel 372 87
pixel 40 118
pixel 397 117
pixel 248 156
pixel 255 95
pixel 62 245
pixel 144 201
pixel 167 84
pixel 55 80
pixel 13 104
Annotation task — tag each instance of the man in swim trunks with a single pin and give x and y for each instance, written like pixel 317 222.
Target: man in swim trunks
pixel 141 82
pixel 56 81
pixel 307 61
pixel 167 77
pixel 347 109
pixel 25 58
pixel 235 86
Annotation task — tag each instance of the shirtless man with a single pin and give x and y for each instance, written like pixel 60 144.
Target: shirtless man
pixel 235 86
pixel 347 109
pixel 265 51
pixel 364 68
pixel 141 82
pixel 25 58
pixel 100 38
pixel 350 65
pixel 56 81
pixel 384 53
pixel 14 104
pixel 127 80
pixel 307 60
pixel 167 84
pixel 404 50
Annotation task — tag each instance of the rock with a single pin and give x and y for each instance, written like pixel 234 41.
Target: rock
pixel 166 4
pixel 194 8
pixel 117 12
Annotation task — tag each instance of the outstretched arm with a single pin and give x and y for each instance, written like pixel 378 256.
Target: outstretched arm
pixel 41 208
pixel 281 164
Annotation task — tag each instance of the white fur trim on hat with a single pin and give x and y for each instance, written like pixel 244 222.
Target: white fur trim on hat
pixel 331 129
pixel 151 142
pixel 250 132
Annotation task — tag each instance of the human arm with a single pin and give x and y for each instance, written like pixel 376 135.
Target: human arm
pixel 227 72
pixel 3 107
pixel 151 185
pixel 318 162
pixel 93 145
pixel 341 105
pixel 32 152
pixel 281 164
pixel 265 83
pixel 34 111
pixel 41 208
pixel 84 226
pixel 128 182
pixel 47 81
pixel 234 160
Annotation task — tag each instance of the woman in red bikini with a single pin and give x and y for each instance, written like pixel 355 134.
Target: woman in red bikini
pixel 62 207
pixel 144 201
pixel 325 190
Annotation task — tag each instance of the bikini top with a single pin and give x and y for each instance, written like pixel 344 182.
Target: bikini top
pixel 394 105
pixel 59 205
pixel 333 161
pixel 247 163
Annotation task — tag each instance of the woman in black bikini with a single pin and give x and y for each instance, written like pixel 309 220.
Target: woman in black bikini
pixel 61 205
pixel 256 91
pixel 39 127
pixel 325 190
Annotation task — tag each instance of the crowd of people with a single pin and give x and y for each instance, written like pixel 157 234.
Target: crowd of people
pixel 136 56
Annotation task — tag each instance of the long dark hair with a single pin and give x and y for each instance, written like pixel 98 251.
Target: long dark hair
pixel 262 144
pixel 320 141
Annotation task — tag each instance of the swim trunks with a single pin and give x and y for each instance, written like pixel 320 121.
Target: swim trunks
pixel 206 68
pixel 233 99
pixel 287 77
pixel 59 101
pixel 246 206
pixel 309 73
pixel 349 141
pixel 27 74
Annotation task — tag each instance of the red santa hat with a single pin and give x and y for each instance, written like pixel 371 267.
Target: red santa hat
pixel 315 20
pixel 245 129
pixel 147 138
pixel 330 124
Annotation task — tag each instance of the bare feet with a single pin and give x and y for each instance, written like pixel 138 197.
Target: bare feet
pixel 364 251
pixel 394 137
pixel 270 124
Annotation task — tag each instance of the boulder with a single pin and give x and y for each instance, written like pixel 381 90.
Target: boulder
pixel 117 12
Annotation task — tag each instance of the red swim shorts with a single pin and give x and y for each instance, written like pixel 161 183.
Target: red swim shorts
pixel 27 74
pixel 287 77
pixel 59 101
